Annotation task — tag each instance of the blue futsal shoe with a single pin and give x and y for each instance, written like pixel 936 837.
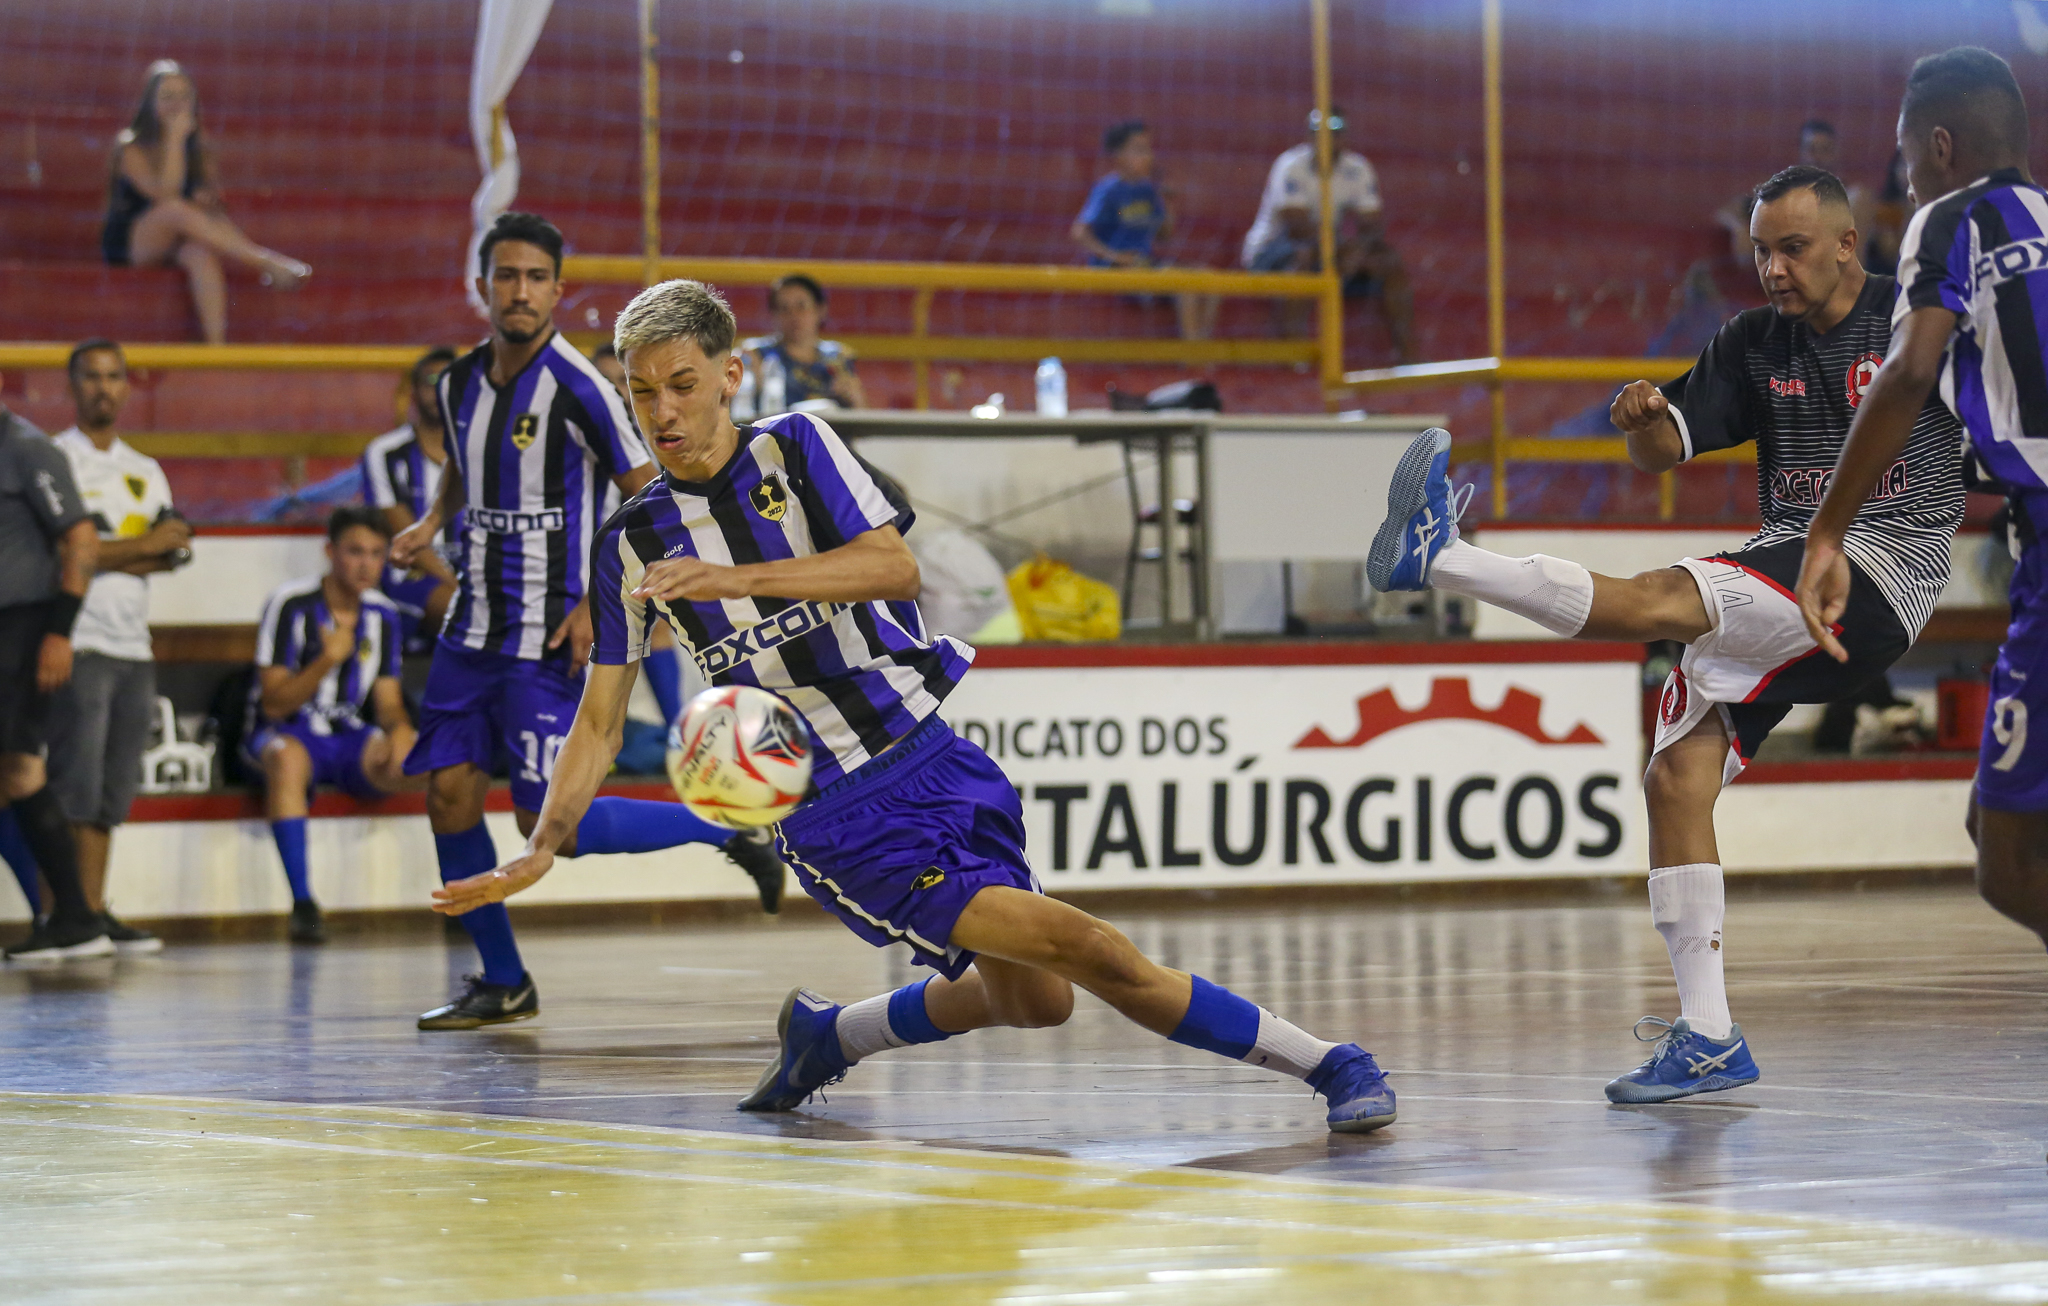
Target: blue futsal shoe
pixel 1422 515
pixel 1360 1100
pixel 1685 1063
pixel 810 1057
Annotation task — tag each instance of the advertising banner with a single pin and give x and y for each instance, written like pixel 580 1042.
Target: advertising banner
pixel 1195 776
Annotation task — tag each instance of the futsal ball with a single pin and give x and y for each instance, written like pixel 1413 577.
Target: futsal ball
pixel 739 757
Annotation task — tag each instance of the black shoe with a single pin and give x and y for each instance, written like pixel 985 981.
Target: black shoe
pixel 56 941
pixel 307 927
pixel 486 1004
pixel 127 938
pixel 753 851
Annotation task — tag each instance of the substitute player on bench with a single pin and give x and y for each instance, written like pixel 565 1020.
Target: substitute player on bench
pixel 1974 270
pixel 779 562
pixel 1789 377
pixel 532 432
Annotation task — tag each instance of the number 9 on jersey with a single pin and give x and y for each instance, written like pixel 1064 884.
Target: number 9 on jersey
pixel 739 757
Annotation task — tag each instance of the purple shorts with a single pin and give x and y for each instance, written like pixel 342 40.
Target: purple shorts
pixel 476 700
pixel 898 848
pixel 337 755
pixel 2012 763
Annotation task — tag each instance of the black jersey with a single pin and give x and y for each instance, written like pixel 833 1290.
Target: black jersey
pixel 1771 379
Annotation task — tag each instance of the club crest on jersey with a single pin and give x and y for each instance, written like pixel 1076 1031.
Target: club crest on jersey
pixel 136 485
pixel 524 429
pixel 1673 705
pixel 769 498
pixel 1861 373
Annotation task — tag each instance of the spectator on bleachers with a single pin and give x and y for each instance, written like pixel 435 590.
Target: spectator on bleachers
pixel 164 203
pixel 100 722
pixel 326 708
pixel 1819 147
pixel 1126 217
pixel 794 368
pixel 1286 234
pixel 401 471
pixel 1887 229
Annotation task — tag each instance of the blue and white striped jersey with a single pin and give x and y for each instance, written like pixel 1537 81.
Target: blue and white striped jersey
pixel 398 473
pixel 1982 253
pixel 289 637
pixel 862 674
pixel 536 456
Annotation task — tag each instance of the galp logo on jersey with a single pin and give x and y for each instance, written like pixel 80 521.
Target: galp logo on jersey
pixel 524 429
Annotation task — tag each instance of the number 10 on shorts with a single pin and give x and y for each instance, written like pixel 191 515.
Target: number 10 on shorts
pixel 540 754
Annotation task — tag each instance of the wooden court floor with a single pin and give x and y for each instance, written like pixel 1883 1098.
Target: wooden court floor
pixel 243 1122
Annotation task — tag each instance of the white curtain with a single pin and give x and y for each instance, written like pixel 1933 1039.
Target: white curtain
pixel 505 33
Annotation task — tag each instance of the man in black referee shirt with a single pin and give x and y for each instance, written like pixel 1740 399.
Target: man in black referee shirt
pixel 51 546
pixel 1788 377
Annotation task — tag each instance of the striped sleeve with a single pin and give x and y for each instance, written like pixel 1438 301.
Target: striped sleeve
pixel 836 487
pixel 1708 403
pixel 392 640
pixel 377 488
pixel 273 630
pixel 601 424
pixel 1934 257
pixel 622 622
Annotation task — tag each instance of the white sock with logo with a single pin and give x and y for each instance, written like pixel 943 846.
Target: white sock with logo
pixel 1688 903
pixel 1555 593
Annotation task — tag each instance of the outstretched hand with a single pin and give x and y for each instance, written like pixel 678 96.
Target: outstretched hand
pixel 458 897
pixel 1823 593
pixel 1639 407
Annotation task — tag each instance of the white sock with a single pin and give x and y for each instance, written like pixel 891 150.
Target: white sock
pixel 863 1028
pixel 1555 593
pixel 1286 1047
pixel 1687 903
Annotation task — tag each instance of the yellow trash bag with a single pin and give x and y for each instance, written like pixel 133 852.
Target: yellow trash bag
pixel 1055 602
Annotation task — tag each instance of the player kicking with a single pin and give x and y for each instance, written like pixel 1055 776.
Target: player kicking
pixel 1790 377
pixel 1974 267
pixel 532 431
pixel 780 563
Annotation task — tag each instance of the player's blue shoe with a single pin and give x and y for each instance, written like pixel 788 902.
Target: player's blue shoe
pixel 810 1057
pixel 1360 1100
pixel 1422 515
pixel 1685 1063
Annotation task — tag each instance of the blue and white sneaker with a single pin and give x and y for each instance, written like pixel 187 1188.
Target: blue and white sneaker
pixel 1360 1100
pixel 1685 1063
pixel 1422 515
pixel 810 1058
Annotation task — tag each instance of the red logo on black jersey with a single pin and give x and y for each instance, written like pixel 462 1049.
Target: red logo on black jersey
pixel 1861 373
pixel 1794 386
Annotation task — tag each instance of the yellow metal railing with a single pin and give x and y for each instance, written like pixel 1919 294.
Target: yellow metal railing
pixel 1502 449
pixel 924 280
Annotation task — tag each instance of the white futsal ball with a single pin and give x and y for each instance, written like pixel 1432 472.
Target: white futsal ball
pixel 740 757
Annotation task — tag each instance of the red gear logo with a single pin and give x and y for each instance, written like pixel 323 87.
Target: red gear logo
pixel 1861 373
pixel 1672 708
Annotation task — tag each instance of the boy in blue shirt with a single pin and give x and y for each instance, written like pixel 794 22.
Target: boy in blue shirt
pixel 1125 216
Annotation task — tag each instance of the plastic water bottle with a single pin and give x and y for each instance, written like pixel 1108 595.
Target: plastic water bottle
pixel 1052 388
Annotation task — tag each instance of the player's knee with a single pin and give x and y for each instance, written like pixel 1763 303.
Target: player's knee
pixel 1042 1006
pixel 1096 955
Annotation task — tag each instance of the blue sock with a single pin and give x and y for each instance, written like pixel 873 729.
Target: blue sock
pixel 14 851
pixel 1218 1021
pixel 643 825
pixel 290 834
pixel 490 927
pixel 665 678
pixel 887 1020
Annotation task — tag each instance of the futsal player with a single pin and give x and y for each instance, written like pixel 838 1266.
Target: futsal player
pixel 1790 377
pixel 780 563
pixel 325 708
pixel 401 477
pixel 533 433
pixel 1970 334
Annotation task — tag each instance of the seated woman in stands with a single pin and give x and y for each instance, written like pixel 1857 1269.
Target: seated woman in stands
pixel 794 369
pixel 164 206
